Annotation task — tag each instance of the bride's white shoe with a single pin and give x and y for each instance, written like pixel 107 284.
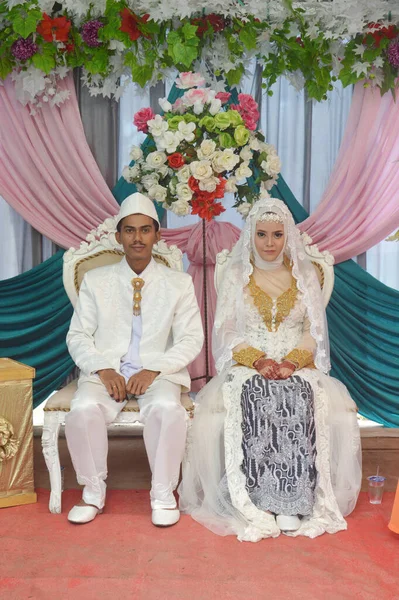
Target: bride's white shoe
pixel 288 523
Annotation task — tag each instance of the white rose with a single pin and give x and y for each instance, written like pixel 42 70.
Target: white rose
pixel 254 144
pixel 225 161
pixel 231 185
pixel 169 141
pixel 163 171
pixel 246 154
pixel 201 169
pixel 136 153
pixel 126 173
pixel 268 148
pixel 208 185
pixel 131 173
pixel 165 104
pixel 244 209
pixel 198 107
pixel 157 192
pixel 157 126
pixel 156 159
pixel 179 207
pixel 184 192
pixel 264 194
pixel 269 184
pixel 273 165
pixel 206 150
pixel 215 106
pixel 243 171
pixel 149 180
pixel 184 174
pixel 187 131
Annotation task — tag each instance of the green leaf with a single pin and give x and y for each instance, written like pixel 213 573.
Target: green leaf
pixel 189 31
pixel 142 73
pixel 44 62
pixel 6 67
pixel 25 23
pixel 99 62
pixel 234 75
pixel 248 37
pixel 183 54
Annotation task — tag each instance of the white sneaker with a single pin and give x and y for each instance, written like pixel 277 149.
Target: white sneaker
pixel 288 523
pixel 83 514
pixel 165 517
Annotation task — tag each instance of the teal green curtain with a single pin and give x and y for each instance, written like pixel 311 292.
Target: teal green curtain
pixel 363 319
pixel 34 318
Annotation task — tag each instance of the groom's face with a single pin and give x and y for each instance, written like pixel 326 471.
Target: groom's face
pixel 138 236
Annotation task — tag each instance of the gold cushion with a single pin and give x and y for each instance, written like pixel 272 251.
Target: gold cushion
pixel 61 400
pixel 102 259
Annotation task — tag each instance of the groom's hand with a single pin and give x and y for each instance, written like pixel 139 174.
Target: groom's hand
pixel 139 383
pixel 114 383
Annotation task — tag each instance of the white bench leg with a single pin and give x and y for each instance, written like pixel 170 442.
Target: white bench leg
pixel 51 428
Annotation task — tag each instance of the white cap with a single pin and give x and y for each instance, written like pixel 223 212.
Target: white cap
pixel 137 204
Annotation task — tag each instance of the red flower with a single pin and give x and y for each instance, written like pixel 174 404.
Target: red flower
pixel 223 97
pixel 176 160
pixel 380 32
pixel 219 192
pixel 194 185
pixel 141 118
pixel 213 21
pixel 51 29
pixel 131 22
pixel 205 208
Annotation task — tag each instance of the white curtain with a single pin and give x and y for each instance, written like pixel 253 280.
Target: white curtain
pixel 15 242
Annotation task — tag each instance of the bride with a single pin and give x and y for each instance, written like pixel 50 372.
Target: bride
pixel 274 444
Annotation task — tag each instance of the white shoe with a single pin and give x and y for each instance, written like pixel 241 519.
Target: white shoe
pixel 165 517
pixel 83 514
pixel 288 523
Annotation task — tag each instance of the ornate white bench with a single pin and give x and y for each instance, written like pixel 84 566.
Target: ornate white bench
pixel 99 249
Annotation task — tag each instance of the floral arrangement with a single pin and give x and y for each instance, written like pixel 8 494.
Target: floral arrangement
pixel 310 42
pixel 201 148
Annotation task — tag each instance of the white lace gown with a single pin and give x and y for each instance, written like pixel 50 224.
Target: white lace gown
pixel 214 489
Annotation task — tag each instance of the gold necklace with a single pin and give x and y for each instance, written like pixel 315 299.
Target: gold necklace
pixel 264 303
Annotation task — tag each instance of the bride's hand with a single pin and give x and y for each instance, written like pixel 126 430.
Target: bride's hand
pixel 266 367
pixel 285 370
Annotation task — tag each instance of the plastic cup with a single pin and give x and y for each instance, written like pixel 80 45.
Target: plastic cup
pixel 376 488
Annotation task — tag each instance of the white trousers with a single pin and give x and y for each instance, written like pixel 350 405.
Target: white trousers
pixel 165 428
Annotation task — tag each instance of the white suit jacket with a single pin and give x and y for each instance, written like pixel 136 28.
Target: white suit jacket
pixel 101 326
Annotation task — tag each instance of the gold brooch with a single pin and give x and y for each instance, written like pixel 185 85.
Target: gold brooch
pixel 137 284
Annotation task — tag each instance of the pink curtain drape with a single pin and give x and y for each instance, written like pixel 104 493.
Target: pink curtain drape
pixel 218 236
pixel 47 171
pixel 360 206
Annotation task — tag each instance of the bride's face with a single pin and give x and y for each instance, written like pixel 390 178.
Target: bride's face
pixel 269 239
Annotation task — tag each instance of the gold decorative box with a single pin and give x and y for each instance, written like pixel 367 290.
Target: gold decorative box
pixel 16 434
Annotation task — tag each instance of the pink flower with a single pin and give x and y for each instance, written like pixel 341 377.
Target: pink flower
pixel 250 123
pixel 189 80
pixel 178 106
pixel 247 103
pixel 195 95
pixel 142 117
pixel 248 109
pixel 223 97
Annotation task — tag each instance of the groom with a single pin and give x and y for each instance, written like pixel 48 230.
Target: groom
pixel 135 329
